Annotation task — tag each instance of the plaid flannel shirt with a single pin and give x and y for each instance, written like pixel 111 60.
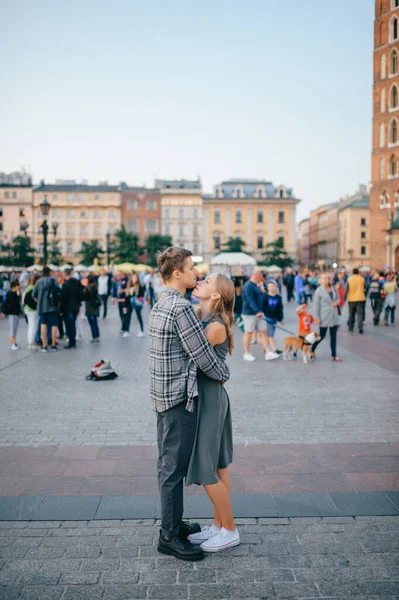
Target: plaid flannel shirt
pixel 177 346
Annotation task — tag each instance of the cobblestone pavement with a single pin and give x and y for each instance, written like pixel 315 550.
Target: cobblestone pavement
pixel 45 399
pixel 279 558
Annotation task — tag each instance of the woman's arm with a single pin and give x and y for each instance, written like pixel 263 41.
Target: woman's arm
pixel 216 333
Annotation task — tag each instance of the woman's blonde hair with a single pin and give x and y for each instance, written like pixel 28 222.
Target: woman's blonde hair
pixel 224 307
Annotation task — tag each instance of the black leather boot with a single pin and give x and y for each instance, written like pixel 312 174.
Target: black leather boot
pixel 180 548
pixel 187 528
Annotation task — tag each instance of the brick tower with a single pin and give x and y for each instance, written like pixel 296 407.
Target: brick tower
pixel 384 195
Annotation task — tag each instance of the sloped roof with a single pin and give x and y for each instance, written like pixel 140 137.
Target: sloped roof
pixel 74 187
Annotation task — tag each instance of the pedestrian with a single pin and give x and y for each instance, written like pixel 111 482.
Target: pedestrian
pixel 356 298
pixel 289 284
pixel 23 280
pixel 119 296
pixel 72 293
pixel 93 304
pixel 377 295
pixel 274 313
pixel 253 317
pixel 149 287
pixel 390 289
pixel 326 305
pixel 13 309
pixel 299 283
pixel 135 295
pixel 30 308
pixel 104 290
pixel 47 293
pixel 213 444
pixel 237 301
pixel 177 347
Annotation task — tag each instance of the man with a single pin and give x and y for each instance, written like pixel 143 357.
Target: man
pixel 289 284
pixel 104 289
pixel 356 297
pixel 177 346
pixel 71 296
pixel 299 284
pixel 253 317
pixel 119 295
pixel 47 295
pixel 149 287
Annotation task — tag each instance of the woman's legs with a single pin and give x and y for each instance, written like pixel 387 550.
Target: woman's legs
pixel 94 327
pixel 33 320
pixel 224 477
pixel 138 310
pixel 333 340
pixel 220 499
pixel 323 333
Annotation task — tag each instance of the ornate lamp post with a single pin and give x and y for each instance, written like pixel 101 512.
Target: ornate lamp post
pixel 108 238
pixel 55 228
pixel 45 208
pixel 391 209
pixel 24 227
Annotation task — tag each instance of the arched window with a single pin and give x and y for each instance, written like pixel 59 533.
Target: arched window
pixel 393 132
pixel 393 62
pixel 216 217
pixel 394 96
pixel 393 29
pixel 392 166
pixel 382 100
pixel 383 66
pixel 395 4
pixel 382 135
pixel 382 168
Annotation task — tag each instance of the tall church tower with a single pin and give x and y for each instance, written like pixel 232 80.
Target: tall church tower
pixel 384 195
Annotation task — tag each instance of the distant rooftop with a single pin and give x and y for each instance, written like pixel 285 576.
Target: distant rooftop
pixel 68 185
pixel 250 188
pixel 178 184
pixel 15 179
pixel 361 199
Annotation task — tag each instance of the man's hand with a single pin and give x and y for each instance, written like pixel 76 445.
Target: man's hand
pixel 259 315
pixel 317 321
pixel 112 300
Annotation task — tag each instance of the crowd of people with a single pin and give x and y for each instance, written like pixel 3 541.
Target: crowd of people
pixel 54 304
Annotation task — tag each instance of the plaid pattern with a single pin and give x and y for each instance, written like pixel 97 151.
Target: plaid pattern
pixel 177 346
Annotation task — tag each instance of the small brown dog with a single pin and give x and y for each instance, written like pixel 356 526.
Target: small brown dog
pixel 293 343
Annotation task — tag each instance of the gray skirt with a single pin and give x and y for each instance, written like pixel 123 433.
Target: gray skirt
pixel 213 443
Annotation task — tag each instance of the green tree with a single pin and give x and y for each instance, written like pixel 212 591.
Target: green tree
pixel 276 255
pixel 20 252
pixel 90 251
pixel 154 244
pixel 125 246
pixel 234 245
pixel 55 253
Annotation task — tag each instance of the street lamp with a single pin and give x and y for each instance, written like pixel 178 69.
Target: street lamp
pixel 45 208
pixel 391 209
pixel 24 226
pixel 108 237
pixel 55 228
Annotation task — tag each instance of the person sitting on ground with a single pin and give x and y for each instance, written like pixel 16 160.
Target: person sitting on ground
pixel 274 313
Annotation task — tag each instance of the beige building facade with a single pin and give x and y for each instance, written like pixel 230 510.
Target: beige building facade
pixel 354 220
pixel 15 206
pixel 303 237
pixel 255 211
pixel 81 213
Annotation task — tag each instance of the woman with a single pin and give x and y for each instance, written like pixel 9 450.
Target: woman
pixel 326 310
pixel 213 446
pixel 390 289
pixel 135 293
pixel 30 308
pixel 93 304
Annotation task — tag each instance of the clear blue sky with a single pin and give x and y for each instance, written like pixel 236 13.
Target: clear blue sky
pixel 132 90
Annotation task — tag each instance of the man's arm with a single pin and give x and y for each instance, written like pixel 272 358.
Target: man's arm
pixel 194 342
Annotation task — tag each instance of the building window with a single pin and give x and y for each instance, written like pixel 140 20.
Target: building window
pixel 238 216
pixel 382 101
pixel 393 62
pixel 167 213
pixel 97 230
pixel 383 66
pixel 196 248
pixel 151 226
pixel 167 229
pixel 259 242
pixel 40 248
pixel 83 230
pixel 394 96
pixel 69 248
pixel 216 217
pixel 70 213
pixel 54 197
pixel 132 225
pixel 363 250
pixel 112 214
pixel 151 205
pixel 395 4
pixel 281 241
pixel 14 195
pixel 363 222
pixel 181 213
pixel 259 216
pixel 382 135
pixel 260 193
pixel 69 230
pixel 1 226
pixel 22 212
pixel 6 195
pixel 132 205
pixel 56 212
pixel 216 242
pixel 281 216
pixel 98 214
pixel 382 168
pixel 393 29
pixel 392 167
pixel 238 193
pixel 97 197
pixel 393 132
pixel 363 235
pixel 1 212
pixel 181 230
pixel 195 231
pixel 83 214
pixel 195 215
pixel 281 193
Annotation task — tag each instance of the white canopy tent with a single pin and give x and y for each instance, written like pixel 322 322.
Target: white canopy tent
pixel 233 259
pixel 273 269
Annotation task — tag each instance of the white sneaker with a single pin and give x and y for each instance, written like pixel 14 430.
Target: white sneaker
pixel 205 534
pixel 140 334
pixel 249 357
pixel 33 347
pixel 14 347
pixel 271 355
pixel 125 334
pixel 221 541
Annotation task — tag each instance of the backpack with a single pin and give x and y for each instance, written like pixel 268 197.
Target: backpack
pixel 95 301
pixel 53 295
pixel 29 300
pixel 102 370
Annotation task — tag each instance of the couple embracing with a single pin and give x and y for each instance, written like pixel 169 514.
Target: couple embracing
pixel 187 370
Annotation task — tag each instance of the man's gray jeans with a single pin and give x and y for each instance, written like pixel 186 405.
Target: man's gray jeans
pixel 176 432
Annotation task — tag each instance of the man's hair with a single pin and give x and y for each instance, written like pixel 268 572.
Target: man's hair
pixel 14 284
pixel 68 271
pixel 46 272
pixel 171 259
pixel 355 271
